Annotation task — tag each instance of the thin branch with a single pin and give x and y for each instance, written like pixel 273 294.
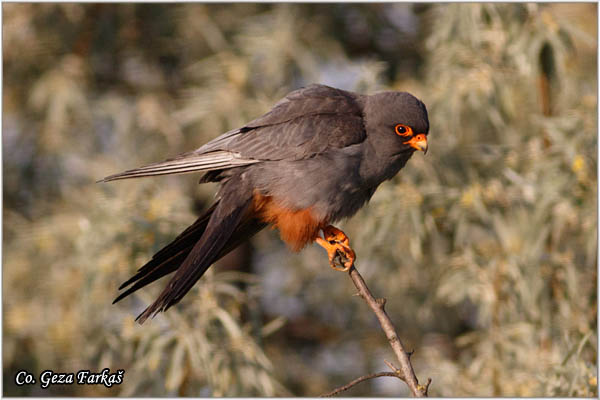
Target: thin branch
pixel 357 381
pixel 405 372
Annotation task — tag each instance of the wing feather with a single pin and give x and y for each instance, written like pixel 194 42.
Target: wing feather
pixel 186 163
pixel 306 122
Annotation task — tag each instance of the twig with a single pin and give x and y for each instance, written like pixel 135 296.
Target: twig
pixel 405 372
pixel 357 381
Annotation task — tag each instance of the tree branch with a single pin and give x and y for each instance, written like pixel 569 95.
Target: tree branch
pixel 405 372
pixel 357 381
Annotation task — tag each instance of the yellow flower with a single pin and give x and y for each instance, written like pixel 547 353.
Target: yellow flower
pixel 469 196
pixel 578 163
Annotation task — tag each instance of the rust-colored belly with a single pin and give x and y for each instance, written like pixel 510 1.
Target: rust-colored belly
pixel 297 228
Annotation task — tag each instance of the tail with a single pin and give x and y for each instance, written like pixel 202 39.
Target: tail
pixel 212 236
pixel 169 258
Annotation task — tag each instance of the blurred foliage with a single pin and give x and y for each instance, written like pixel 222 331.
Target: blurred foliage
pixel 486 249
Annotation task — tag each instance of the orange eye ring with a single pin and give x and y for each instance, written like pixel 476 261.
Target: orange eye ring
pixel 403 130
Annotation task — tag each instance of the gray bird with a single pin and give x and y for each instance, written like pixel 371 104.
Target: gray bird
pixel 315 158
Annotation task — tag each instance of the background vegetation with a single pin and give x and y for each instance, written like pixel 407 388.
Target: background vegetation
pixel 486 249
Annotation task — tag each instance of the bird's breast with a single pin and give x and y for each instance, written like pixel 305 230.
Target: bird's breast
pixel 329 185
pixel 297 227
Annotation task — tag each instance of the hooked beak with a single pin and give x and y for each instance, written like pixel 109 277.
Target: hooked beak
pixel 418 142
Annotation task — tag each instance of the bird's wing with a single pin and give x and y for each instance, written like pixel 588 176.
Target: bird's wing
pixel 311 100
pixel 185 163
pixel 307 121
pixel 300 138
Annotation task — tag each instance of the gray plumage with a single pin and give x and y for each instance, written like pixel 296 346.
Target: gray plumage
pixel 320 149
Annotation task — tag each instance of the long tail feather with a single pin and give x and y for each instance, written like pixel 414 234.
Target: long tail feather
pixel 228 225
pixel 169 258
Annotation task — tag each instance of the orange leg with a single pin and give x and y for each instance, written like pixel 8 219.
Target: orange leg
pixel 341 256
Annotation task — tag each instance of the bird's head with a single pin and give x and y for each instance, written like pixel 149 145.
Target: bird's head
pixel 397 122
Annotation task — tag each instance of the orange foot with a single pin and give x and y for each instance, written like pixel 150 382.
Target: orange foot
pixel 341 256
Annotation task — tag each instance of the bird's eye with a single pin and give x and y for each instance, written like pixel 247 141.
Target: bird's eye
pixel 403 130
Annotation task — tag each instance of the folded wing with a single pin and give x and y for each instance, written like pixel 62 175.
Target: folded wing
pixel 306 122
pixel 186 163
